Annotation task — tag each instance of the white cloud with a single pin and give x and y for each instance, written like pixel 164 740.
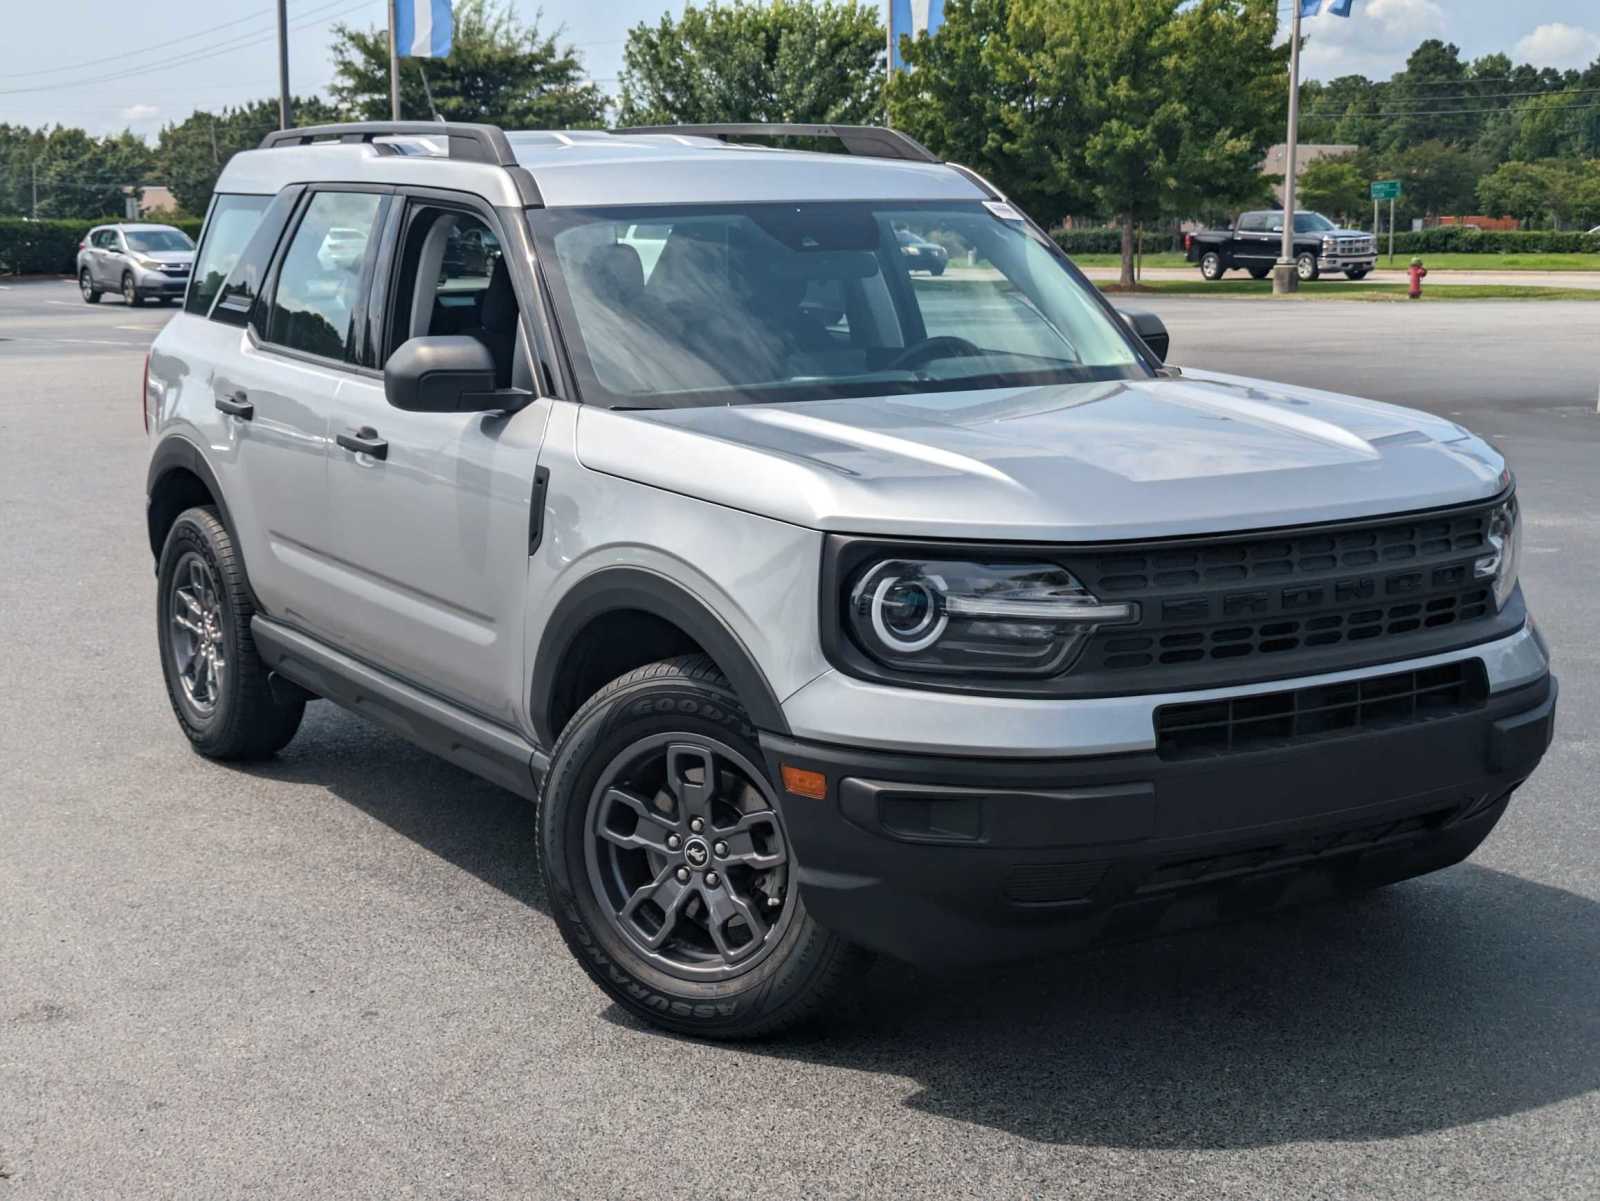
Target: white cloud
pixel 1373 41
pixel 1558 45
pixel 136 114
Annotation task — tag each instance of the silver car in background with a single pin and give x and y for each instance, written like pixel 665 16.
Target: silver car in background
pixel 140 262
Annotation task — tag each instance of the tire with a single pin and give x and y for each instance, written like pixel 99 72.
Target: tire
pixel 91 294
pixel 936 270
pixel 129 292
pixel 612 768
pixel 1212 266
pixel 1305 266
pixel 1357 273
pixel 202 582
pixel 1260 272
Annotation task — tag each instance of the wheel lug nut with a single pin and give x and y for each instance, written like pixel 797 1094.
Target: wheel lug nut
pixel 712 879
pixel 673 842
pixel 696 824
pixel 721 850
pixel 774 902
pixel 683 875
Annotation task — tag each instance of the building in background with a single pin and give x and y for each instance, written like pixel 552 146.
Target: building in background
pixel 1305 153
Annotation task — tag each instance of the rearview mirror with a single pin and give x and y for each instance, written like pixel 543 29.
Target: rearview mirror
pixel 1151 330
pixel 445 374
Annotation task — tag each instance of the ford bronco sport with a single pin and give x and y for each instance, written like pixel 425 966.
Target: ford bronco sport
pixel 821 604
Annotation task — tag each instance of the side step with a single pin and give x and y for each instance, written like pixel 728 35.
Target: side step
pixel 484 748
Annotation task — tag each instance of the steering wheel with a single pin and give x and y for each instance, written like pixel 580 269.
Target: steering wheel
pixel 943 346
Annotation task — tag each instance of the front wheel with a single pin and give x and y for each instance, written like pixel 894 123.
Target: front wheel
pixel 215 680
pixel 1357 273
pixel 1211 265
pixel 91 294
pixel 1305 266
pixel 130 292
pixel 668 867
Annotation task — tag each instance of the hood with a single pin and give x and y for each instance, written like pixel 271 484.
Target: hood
pixel 1204 453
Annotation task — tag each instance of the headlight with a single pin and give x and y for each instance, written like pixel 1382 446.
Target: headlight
pixel 956 617
pixel 1505 542
pixel 911 250
pixel 148 264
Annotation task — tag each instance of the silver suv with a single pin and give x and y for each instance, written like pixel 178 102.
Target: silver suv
pixel 140 262
pixel 822 604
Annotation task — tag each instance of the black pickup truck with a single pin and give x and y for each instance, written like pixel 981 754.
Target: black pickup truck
pixel 1256 240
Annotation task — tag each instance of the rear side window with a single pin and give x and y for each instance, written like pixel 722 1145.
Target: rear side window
pixel 319 283
pixel 233 220
pixel 245 280
pixel 1252 223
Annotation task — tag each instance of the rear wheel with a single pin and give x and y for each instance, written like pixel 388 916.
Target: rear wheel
pixel 668 866
pixel 130 292
pixel 215 680
pixel 1211 265
pixel 91 294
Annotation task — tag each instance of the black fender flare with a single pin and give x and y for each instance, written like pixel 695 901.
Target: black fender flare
pixel 612 589
pixel 175 453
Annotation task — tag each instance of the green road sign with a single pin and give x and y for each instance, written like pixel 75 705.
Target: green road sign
pixel 1386 189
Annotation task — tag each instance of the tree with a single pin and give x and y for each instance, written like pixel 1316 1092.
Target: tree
pixel 72 173
pixel 1532 191
pixel 498 71
pixel 1118 105
pixel 1332 185
pixel 192 152
pixel 820 62
pixel 1435 178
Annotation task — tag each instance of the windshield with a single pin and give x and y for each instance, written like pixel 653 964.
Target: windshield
pixel 152 241
pixel 1311 223
pixel 733 304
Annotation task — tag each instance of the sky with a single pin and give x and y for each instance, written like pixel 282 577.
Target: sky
pixel 106 66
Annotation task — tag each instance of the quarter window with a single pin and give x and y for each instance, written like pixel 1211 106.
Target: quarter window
pixel 320 280
pixel 233 219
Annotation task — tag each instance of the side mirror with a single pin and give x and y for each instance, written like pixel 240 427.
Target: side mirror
pixel 443 374
pixel 1150 328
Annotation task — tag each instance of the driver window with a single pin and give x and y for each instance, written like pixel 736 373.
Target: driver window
pixel 453 280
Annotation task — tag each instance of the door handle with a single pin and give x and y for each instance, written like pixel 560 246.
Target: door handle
pixel 365 441
pixel 238 405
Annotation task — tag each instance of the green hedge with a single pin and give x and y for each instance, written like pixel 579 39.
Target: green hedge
pixel 51 247
pixel 1452 239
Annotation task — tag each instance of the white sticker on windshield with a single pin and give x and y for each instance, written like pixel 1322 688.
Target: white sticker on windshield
pixel 1004 211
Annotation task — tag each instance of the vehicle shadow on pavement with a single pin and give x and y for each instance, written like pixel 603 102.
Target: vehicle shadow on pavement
pixel 1462 997
pixel 466 821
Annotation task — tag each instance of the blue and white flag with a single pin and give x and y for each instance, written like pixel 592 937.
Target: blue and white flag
pixel 422 28
pixel 1308 8
pixel 1339 8
pixel 907 18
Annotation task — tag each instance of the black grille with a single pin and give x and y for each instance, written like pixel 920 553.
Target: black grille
pixel 1333 589
pixel 1273 719
pixel 1208 869
pixel 1052 883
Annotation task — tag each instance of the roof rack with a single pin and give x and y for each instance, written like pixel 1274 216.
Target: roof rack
pixel 870 141
pixel 474 143
pixel 464 140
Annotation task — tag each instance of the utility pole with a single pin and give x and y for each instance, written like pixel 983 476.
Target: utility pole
pixel 284 115
pixel 394 64
pixel 34 212
pixel 1284 279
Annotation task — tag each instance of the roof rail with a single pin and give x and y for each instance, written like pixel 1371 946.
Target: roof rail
pixel 870 141
pixel 464 140
pixel 474 143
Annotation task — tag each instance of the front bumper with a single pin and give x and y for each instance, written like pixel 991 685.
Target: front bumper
pixel 1347 262
pixel 159 283
pixel 947 859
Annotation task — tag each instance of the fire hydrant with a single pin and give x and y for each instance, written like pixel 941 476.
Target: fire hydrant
pixel 1416 272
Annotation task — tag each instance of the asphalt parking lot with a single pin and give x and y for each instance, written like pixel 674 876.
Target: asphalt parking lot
pixel 333 975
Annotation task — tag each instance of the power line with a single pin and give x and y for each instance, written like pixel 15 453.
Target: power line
pixel 196 55
pixel 125 54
